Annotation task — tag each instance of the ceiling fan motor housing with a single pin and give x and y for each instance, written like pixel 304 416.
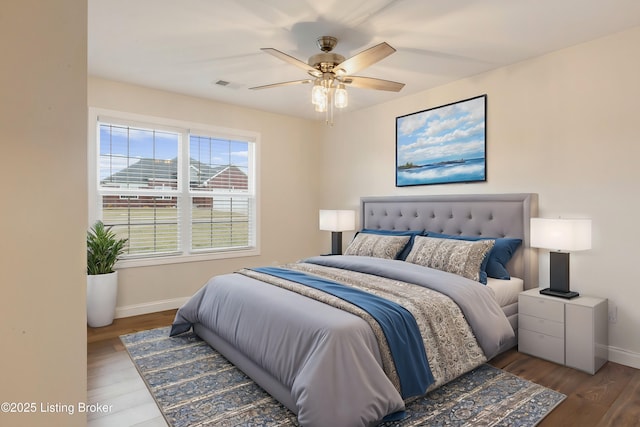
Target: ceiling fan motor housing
pixel 325 61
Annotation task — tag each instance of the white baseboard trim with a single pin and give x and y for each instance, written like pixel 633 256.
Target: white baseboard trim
pixel 624 357
pixel 150 307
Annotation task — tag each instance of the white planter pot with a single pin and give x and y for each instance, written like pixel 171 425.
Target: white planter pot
pixel 102 291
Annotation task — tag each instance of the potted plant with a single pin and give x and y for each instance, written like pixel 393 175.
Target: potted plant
pixel 103 250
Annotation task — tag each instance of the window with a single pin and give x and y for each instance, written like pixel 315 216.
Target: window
pixel 175 192
pixel 219 190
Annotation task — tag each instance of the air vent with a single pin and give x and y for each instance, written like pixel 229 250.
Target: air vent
pixel 222 83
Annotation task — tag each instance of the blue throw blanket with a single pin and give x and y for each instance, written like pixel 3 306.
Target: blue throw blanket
pixel 399 327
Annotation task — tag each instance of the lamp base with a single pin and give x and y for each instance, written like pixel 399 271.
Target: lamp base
pixel 336 243
pixel 561 294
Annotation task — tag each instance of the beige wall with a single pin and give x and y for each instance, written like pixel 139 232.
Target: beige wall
pixel 43 90
pixel 288 181
pixel 564 126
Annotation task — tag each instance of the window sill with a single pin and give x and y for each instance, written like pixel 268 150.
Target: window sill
pixel 179 259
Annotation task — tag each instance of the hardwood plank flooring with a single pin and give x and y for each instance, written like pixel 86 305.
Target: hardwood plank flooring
pixel 610 398
pixel 112 378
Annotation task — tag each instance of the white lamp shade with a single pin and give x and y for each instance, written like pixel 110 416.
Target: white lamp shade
pixel 337 220
pixel 561 234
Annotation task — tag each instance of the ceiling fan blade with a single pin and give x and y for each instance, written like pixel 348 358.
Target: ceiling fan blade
pixel 363 59
pixel 293 61
pixel 371 83
pixel 294 82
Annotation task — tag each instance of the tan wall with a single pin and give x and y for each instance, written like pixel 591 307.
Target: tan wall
pixel 564 126
pixel 43 92
pixel 288 188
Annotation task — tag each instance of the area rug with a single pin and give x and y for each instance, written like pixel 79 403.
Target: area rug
pixel 195 386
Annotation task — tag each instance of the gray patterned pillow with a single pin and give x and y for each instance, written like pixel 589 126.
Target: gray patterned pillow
pixel 460 257
pixel 376 245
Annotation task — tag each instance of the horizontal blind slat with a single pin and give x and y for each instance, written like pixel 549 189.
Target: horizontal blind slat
pixel 221 222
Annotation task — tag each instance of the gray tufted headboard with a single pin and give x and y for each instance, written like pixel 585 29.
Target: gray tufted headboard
pixel 490 215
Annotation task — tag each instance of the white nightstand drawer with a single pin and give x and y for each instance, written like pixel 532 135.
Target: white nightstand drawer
pixel 541 345
pixel 541 307
pixel 572 332
pixel 538 324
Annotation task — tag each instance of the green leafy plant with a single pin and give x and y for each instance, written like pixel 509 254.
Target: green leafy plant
pixel 103 249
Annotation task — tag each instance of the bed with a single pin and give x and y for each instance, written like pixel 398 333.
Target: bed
pixel 326 352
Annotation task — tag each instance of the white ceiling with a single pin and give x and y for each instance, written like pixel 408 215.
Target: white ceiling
pixel 185 46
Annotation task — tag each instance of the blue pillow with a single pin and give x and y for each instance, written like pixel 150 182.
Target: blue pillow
pixel 495 264
pixel 405 251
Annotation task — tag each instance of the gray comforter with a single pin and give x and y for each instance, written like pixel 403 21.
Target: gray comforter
pixel 330 358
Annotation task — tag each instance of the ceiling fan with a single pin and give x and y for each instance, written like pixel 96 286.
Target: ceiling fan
pixel 330 72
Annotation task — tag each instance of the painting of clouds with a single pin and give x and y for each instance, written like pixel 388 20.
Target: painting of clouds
pixel 442 145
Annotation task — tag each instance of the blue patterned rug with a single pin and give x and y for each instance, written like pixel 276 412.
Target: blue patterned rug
pixel 195 386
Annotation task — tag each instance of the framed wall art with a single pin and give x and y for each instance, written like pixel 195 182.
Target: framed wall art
pixel 443 145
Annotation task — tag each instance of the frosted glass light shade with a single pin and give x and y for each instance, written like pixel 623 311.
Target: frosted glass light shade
pixel 337 220
pixel 341 97
pixel 318 94
pixel 561 234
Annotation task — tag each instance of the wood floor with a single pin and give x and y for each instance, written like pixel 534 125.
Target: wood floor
pixel 609 398
pixel 112 379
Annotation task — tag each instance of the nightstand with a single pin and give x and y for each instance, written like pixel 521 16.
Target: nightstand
pixel 571 332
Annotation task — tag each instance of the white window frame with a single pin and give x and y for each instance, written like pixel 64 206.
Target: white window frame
pixel 185 128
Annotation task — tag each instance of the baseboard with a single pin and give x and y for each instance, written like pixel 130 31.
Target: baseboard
pixel 150 307
pixel 624 357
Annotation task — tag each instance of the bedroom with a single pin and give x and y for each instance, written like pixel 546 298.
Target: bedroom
pixel 575 106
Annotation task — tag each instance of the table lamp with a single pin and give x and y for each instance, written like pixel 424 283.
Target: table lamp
pixel 561 236
pixel 337 221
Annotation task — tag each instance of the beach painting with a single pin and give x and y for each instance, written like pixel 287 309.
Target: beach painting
pixel 442 145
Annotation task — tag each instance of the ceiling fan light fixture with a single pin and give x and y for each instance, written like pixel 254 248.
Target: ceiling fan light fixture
pixel 341 98
pixel 331 72
pixel 321 107
pixel 318 93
